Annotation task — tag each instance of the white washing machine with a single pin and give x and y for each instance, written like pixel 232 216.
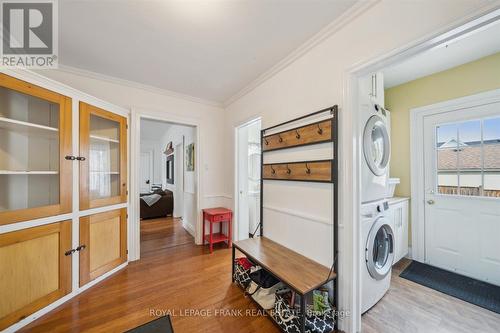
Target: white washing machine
pixel 376 152
pixel 377 253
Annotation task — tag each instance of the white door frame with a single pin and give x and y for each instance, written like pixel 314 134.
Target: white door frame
pixel 417 117
pixel 350 156
pixel 236 174
pixel 136 115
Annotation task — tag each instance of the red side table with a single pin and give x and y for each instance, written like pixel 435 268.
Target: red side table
pixel 218 215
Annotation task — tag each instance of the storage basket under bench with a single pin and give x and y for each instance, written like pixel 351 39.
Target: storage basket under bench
pixel 296 272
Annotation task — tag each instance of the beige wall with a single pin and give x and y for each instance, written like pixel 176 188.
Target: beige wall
pixel 471 78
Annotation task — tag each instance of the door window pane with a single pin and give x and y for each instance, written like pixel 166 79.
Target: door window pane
pixel 447 158
pixel 491 129
pixel 468 158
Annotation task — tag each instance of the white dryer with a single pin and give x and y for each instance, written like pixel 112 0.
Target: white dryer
pixel 377 253
pixel 376 152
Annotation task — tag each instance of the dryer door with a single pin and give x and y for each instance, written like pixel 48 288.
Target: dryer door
pixel 379 251
pixel 376 145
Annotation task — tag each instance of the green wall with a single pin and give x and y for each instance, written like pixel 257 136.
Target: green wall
pixel 468 79
pixel 472 78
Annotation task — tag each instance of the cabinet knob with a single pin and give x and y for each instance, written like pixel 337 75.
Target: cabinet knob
pixel 80 158
pixel 80 247
pixel 70 158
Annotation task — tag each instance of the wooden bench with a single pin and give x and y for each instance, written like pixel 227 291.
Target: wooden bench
pixel 299 273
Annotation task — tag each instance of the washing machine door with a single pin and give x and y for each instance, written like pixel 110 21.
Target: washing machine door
pixel 376 145
pixel 379 252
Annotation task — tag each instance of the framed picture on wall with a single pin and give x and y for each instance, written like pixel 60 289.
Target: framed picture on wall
pixel 190 157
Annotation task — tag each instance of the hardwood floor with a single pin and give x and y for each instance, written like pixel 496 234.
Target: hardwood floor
pixel 162 233
pixel 180 278
pixel 195 287
pixel 410 308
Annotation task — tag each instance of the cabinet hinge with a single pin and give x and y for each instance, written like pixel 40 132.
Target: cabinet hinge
pixel 126 126
pixel 127 251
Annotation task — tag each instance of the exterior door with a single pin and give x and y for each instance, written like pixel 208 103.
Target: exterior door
pixel 146 171
pixel 103 154
pixel 103 243
pixel 462 190
pixel 34 270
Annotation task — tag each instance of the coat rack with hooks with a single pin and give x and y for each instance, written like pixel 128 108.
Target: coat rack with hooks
pixel 308 171
pixel 309 134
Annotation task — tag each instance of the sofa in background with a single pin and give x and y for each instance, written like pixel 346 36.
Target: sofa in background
pixel 163 207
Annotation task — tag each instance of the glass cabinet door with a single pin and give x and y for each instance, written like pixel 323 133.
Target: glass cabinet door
pixel 103 178
pixel 35 137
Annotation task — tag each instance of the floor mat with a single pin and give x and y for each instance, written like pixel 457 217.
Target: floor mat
pixel 467 289
pixel 160 325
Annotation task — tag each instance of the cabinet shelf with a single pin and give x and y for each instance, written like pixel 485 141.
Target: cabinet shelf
pixel 25 172
pixel 27 128
pixel 106 172
pixel 103 139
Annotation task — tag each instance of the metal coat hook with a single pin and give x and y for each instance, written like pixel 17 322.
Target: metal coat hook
pixel 281 139
pixel 320 130
pixel 288 171
pixel 297 135
pixel 272 170
pixel 265 141
pixel 308 170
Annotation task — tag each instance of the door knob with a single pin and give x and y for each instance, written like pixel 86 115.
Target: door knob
pixel 430 202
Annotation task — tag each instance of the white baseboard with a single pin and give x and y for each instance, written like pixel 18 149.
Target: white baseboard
pixel 189 227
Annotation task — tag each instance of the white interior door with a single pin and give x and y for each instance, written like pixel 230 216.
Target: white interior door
pixel 462 190
pixel 243 216
pixel 179 181
pixel 146 171
pixel 248 179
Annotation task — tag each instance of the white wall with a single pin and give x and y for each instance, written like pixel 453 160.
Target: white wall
pixel 189 211
pixel 315 81
pixel 154 103
pixel 152 133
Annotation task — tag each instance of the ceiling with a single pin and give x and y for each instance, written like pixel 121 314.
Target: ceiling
pixel 205 49
pixel 473 46
pixel 153 130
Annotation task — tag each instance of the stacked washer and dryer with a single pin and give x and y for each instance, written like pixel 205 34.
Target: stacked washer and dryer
pixel 377 253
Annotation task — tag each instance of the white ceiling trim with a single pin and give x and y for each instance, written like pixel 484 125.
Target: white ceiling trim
pixel 352 13
pixel 136 85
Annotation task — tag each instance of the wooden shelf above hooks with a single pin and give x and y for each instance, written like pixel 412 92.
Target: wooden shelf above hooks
pixel 306 171
pixel 314 133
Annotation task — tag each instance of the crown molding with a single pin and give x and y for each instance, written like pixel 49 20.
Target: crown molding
pixel 136 85
pixel 352 13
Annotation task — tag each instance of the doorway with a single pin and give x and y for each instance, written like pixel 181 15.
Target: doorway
pixel 461 185
pixel 168 187
pixel 248 179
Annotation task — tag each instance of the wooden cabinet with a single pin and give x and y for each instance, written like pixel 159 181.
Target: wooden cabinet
pixel 35 138
pixel 103 147
pixel 34 270
pixel 104 236
pixel 398 210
